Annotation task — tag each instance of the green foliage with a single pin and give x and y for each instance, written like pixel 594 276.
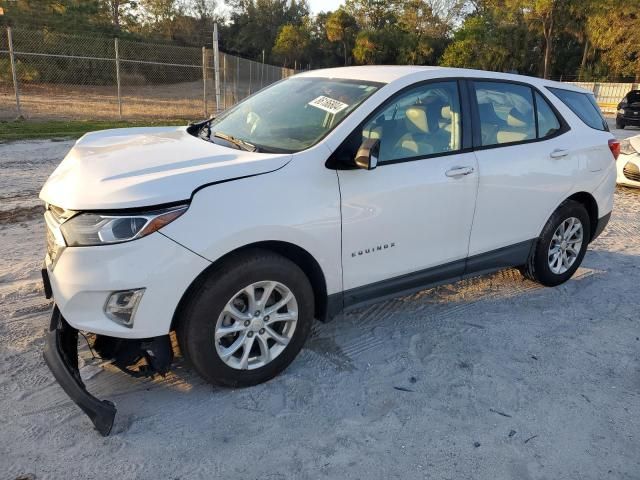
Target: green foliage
pixel 480 43
pixel 342 27
pixel 586 39
pixel 291 44
pixel 614 28
pixel 24 72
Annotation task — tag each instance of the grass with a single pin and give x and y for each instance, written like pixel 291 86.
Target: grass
pixel 25 130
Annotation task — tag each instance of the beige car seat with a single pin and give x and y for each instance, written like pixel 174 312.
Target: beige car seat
pixel 489 123
pixel 416 141
pixel 424 134
pixel 517 128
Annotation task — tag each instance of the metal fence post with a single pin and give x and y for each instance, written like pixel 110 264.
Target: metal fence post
pixel 118 78
pixel 216 65
pixel 13 72
pixel 224 80
pixel 204 80
pixel 262 71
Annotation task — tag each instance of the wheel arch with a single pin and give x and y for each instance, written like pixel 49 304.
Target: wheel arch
pixel 591 205
pixel 298 255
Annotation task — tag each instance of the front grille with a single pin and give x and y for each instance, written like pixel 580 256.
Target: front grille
pixel 54 217
pixel 632 172
pixel 52 248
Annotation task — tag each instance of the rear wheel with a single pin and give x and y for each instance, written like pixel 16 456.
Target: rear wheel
pixel 559 250
pixel 248 321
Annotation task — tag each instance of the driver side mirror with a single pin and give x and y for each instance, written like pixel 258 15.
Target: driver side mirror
pixel 367 156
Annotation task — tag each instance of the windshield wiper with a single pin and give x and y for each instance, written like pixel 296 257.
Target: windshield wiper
pixel 249 147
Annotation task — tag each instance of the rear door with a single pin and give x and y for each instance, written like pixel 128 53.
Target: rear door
pixel 525 162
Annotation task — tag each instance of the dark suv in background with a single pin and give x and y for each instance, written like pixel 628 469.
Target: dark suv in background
pixel 629 110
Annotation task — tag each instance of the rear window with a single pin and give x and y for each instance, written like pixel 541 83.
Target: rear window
pixel 584 106
pixel 632 97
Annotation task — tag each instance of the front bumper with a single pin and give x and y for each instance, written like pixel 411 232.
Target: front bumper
pixel 61 356
pixel 629 119
pixel 628 170
pixel 82 278
pixel 149 356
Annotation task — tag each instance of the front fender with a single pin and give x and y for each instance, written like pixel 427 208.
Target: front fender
pixel 279 206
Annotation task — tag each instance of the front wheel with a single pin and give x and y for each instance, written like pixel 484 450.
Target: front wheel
pixel 620 124
pixel 559 250
pixel 248 320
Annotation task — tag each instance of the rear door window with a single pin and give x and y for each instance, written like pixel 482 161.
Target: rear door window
pixel 506 112
pixel 584 106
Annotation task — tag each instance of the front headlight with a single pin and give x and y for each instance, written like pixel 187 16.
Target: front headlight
pixel 621 111
pixel 87 229
pixel 626 148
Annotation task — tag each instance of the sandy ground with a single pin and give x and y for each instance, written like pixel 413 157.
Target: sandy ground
pixel 491 378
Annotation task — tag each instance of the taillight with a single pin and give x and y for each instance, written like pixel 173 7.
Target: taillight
pixel 614 146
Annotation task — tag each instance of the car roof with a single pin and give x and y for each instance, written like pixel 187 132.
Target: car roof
pixel 392 73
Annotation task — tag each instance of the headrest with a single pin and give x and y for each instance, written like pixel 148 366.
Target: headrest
pixel 446 112
pixel 488 113
pixel 417 118
pixel 372 132
pixel 516 119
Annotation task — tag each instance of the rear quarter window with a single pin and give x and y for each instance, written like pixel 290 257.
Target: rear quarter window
pixel 584 106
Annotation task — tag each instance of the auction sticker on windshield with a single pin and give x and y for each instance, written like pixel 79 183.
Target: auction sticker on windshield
pixel 328 104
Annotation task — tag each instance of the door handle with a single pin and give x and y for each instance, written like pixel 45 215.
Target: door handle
pixel 458 171
pixel 559 153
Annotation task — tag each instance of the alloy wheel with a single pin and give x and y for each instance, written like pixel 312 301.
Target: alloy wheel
pixel 565 245
pixel 256 325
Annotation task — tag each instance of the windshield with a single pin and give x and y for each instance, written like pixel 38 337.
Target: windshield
pixel 291 115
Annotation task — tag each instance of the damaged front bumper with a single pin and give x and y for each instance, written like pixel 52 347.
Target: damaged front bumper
pixel 61 356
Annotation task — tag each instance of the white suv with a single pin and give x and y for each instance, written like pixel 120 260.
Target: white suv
pixel 325 191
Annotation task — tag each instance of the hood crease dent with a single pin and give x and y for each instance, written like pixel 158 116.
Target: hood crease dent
pixel 140 167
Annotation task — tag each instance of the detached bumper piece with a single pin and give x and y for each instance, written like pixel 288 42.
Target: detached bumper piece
pixel 61 355
pixel 150 356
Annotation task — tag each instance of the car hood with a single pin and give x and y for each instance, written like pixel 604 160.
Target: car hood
pixel 139 167
pixel 635 142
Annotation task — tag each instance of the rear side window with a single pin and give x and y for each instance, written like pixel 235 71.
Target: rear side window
pixel 584 106
pixel 506 112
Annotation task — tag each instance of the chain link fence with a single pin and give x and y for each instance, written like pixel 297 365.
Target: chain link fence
pixel 45 75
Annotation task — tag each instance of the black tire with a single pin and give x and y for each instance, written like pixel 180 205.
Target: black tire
pixel 196 323
pixel 620 124
pixel 537 267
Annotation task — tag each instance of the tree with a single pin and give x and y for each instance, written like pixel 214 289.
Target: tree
pixel 426 33
pixel 614 29
pixel 544 12
pixel 480 43
pixel 255 24
pixel 385 46
pixel 373 14
pixel 119 8
pixel 291 44
pixel 341 27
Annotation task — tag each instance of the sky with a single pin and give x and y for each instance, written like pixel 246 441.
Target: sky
pixel 316 6
pixel 324 5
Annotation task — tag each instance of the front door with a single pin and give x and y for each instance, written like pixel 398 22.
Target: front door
pixel 407 222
